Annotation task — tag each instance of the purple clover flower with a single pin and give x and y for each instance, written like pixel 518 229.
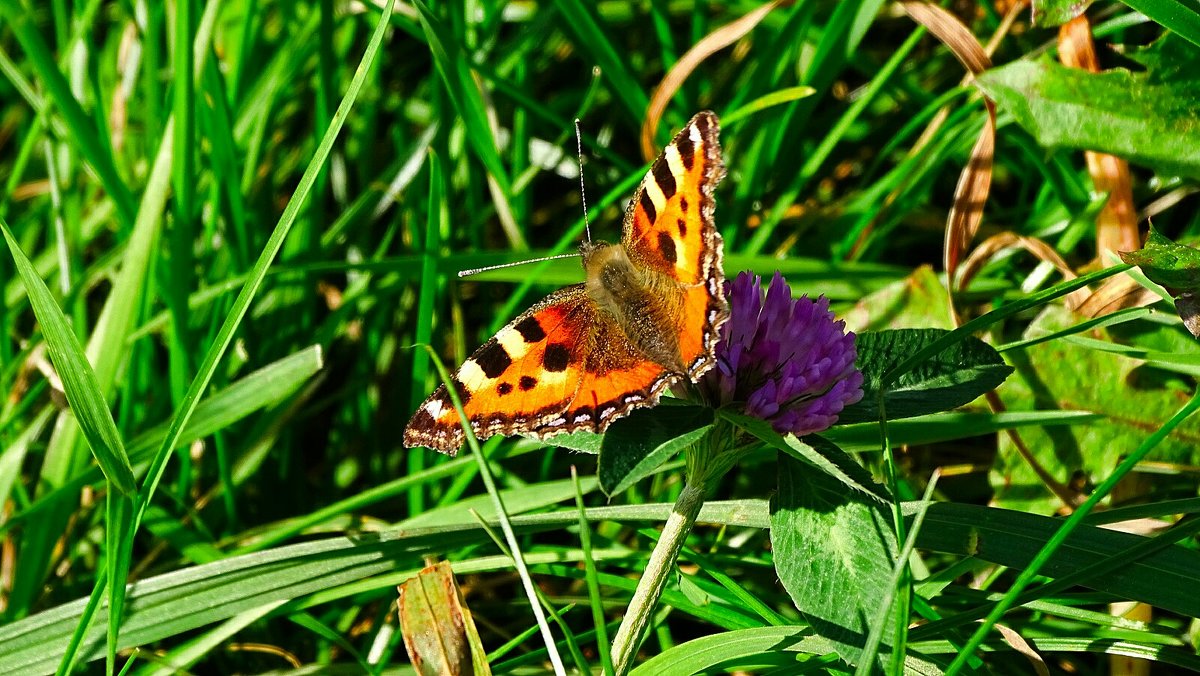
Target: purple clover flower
pixel 785 361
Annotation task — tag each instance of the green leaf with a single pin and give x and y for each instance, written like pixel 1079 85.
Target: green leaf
pixel 951 378
pixel 83 131
pixel 935 428
pixel 1057 12
pixel 464 93
pixel 255 391
pixel 636 445
pixel 1115 386
pixel 593 39
pixel 816 451
pixel 918 301
pixel 752 650
pixel 834 553
pixel 1168 263
pixel 701 654
pixel 78 379
pixel 516 501
pixel 583 441
pixel 1137 116
pixel 775 98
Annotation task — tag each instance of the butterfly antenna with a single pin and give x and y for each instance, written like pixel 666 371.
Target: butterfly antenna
pixel 475 271
pixel 587 227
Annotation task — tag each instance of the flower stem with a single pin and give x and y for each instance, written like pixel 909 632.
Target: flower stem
pixel 657 572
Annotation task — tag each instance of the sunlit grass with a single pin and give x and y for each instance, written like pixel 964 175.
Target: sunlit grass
pixel 246 239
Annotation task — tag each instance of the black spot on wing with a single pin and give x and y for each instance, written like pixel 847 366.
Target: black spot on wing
pixel 493 359
pixel 648 206
pixel 504 388
pixel 464 395
pixel 528 383
pixel 556 358
pixel 422 421
pixel 682 228
pixel 530 330
pixel 683 204
pixel 667 246
pixel 687 149
pixel 664 178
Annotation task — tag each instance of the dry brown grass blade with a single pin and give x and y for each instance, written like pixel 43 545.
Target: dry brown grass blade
pixel 1036 247
pixel 940 118
pixel 975 182
pixel 930 131
pixel 970 195
pixel 1019 644
pixel 713 42
pixel 953 33
pixel 1116 225
pixel 1116 293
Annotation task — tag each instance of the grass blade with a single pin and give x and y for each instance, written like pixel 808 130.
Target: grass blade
pixel 78 379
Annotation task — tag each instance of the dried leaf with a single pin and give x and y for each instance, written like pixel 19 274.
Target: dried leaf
pixel 1047 13
pixel 1116 293
pixel 1188 307
pixel 438 631
pixel 975 181
pixel 1039 249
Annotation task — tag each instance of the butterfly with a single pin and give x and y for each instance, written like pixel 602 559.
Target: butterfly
pixel 646 318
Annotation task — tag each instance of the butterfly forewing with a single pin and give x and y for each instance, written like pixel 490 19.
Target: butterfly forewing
pixel 669 227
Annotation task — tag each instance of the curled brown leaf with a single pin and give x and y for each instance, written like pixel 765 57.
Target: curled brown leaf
pixel 1116 224
pixel 713 42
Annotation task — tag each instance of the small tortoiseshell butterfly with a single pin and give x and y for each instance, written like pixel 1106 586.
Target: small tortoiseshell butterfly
pixel 646 317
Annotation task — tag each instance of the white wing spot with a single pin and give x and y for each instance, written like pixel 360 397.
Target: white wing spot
pixel 472 376
pixel 675 163
pixel 547 377
pixel 434 408
pixel 655 192
pixel 513 343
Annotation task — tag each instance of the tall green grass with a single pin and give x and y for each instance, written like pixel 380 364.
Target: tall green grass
pixel 230 223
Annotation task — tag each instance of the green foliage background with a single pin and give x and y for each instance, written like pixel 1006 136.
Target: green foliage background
pixel 247 272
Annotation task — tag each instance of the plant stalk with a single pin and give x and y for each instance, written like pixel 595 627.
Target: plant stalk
pixel 658 570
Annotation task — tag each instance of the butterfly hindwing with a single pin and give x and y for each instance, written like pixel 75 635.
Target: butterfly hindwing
pixel 669 227
pixel 522 378
pixel 616 379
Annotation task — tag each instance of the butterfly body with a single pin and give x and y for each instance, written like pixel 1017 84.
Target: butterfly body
pixel 646 317
pixel 640 300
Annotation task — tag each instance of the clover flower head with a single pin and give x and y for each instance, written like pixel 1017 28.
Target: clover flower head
pixel 783 360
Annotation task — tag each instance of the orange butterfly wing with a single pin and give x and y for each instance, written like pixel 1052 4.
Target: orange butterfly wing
pixel 562 366
pixel 517 382
pixel 616 379
pixel 669 227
